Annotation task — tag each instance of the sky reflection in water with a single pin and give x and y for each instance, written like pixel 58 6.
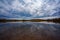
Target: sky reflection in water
pixel 29 31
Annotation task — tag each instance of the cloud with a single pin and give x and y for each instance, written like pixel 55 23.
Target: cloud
pixel 34 8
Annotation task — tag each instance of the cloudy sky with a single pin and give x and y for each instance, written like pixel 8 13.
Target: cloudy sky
pixel 29 8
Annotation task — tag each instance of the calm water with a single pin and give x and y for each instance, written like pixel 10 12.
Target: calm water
pixel 29 31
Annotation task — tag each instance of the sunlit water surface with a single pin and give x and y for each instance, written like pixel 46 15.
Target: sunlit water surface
pixel 29 31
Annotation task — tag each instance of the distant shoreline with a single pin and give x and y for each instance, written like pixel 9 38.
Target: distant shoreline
pixel 32 20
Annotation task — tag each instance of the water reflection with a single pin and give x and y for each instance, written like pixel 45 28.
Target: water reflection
pixel 29 31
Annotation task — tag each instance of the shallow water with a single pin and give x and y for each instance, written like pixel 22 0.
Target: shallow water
pixel 29 31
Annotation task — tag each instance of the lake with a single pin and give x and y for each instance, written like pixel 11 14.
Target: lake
pixel 29 31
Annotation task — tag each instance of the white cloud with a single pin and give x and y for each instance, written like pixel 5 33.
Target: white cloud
pixel 27 1
pixel 34 7
pixel 5 8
